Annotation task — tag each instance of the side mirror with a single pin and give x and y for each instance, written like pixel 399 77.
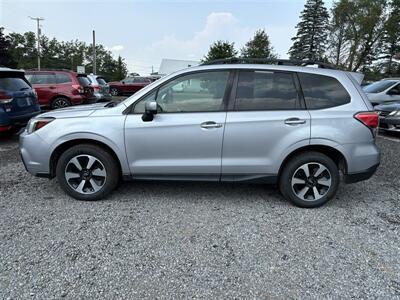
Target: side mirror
pixel 150 109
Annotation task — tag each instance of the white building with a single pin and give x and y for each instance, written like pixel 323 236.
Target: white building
pixel 172 65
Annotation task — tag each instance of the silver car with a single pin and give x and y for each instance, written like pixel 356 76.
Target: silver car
pixel 384 91
pixel 100 87
pixel 293 126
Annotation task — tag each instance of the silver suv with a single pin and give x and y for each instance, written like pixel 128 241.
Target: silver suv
pixel 293 126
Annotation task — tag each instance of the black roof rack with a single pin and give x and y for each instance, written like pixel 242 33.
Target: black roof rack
pixel 285 62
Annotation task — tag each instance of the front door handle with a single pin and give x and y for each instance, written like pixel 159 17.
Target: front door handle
pixel 210 124
pixel 294 121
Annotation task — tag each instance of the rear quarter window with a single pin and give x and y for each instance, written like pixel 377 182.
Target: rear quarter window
pixel 322 91
pixel 63 78
pixel 13 84
pixel 84 81
pixel 101 81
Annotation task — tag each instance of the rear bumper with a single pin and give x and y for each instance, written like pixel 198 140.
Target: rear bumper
pixel 18 120
pixel 360 176
pixel 390 124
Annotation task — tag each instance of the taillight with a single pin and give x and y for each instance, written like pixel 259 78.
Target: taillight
pixel 4 98
pixel 78 88
pixel 96 87
pixel 369 119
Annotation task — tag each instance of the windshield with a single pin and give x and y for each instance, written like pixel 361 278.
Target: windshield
pixel 379 86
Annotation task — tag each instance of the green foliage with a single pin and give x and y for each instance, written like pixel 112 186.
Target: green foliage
pixel 259 46
pixel 220 50
pixel 22 50
pixel 5 58
pixel 357 30
pixel 312 30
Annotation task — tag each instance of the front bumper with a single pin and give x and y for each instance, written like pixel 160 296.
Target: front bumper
pixel 35 154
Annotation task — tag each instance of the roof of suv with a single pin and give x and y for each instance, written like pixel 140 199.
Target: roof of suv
pixel 4 69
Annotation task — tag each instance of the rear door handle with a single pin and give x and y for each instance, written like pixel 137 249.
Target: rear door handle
pixel 210 124
pixel 294 121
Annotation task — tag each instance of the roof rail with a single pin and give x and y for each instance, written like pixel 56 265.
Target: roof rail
pixel 286 62
pixel 49 69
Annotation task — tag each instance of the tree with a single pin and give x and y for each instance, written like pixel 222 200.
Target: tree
pixel 220 50
pixel 310 40
pixel 5 56
pixel 357 30
pixel 391 38
pixel 259 46
pixel 122 70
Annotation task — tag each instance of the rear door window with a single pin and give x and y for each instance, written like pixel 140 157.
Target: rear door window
pixel 43 78
pixel 266 90
pixel 322 91
pixel 13 84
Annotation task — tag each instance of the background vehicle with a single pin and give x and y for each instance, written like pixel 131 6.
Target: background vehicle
pixel 386 90
pixel 129 85
pixel 101 87
pixel 18 101
pixel 238 122
pixel 389 116
pixel 61 88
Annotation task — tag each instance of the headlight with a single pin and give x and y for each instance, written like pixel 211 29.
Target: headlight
pixel 395 113
pixel 36 124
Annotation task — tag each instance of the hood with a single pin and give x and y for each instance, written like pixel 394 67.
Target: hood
pixel 389 106
pixel 373 96
pixel 74 111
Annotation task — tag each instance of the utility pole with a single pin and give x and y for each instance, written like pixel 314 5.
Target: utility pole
pixel 94 52
pixel 38 19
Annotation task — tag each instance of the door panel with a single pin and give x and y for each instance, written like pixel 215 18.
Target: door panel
pixel 175 144
pixel 254 141
pixel 266 122
pixel 185 137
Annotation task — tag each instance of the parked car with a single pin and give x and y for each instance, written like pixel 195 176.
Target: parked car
pixel 287 125
pixel 389 116
pixel 386 90
pixel 61 88
pixel 128 86
pixel 101 88
pixel 18 101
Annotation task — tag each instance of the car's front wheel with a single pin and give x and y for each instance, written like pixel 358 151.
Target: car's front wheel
pixel 87 172
pixel 310 179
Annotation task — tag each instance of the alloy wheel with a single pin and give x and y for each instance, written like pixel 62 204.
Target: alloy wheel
pixel 311 181
pixel 60 103
pixel 114 92
pixel 85 174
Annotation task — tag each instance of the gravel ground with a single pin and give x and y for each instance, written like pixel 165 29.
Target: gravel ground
pixel 197 240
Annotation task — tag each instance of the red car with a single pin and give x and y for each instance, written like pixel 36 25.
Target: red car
pixel 61 88
pixel 128 85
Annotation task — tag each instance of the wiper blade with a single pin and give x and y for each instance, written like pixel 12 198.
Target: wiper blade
pixel 110 104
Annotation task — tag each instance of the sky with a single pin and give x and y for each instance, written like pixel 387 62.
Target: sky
pixel 145 32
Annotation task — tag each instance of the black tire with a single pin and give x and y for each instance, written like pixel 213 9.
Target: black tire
pixel 60 102
pixel 114 92
pixel 310 159
pixel 103 156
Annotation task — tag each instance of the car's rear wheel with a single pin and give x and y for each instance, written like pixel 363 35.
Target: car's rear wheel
pixel 114 91
pixel 87 172
pixel 60 102
pixel 310 179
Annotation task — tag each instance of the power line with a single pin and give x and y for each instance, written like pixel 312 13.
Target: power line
pixel 38 19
